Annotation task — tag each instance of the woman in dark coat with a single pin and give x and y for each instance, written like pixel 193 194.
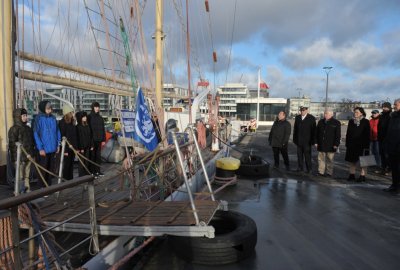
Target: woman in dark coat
pixel 279 138
pixel 85 143
pixel 68 130
pixel 357 142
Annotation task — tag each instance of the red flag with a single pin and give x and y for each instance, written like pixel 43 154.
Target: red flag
pixel 263 85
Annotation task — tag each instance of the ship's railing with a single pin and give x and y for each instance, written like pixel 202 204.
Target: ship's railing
pixel 11 207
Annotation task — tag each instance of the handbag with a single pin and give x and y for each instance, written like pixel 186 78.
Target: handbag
pixel 367 160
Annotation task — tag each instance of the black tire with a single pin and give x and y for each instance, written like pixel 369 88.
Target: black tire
pixel 235 239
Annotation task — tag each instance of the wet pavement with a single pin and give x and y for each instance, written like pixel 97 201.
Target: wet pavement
pixel 308 222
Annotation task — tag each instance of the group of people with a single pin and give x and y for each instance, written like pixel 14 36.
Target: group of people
pixel 84 133
pixel 380 135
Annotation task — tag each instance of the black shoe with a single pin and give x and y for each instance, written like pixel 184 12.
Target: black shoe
pixel 100 174
pixel 276 166
pixel 392 189
pixel 351 177
pixel 361 178
pixel 299 170
pixel 321 174
pixel 328 175
pixel 287 167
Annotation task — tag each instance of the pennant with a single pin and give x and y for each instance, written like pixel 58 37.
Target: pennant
pixel 144 129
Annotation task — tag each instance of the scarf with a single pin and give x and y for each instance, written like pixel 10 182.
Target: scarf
pixel 358 120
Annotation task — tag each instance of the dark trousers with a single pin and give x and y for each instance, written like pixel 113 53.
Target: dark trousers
pixel 68 165
pixel 385 164
pixel 284 153
pixel 395 164
pixel 304 153
pixel 95 156
pixel 49 163
pixel 81 169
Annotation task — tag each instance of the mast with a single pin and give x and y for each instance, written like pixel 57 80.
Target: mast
pixel 159 39
pixel 6 80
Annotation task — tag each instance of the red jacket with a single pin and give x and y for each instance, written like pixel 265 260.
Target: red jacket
pixel 373 123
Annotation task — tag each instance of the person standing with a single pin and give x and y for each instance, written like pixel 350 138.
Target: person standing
pixel 69 131
pixel 279 139
pixel 374 145
pixel 22 133
pixel 382 130
pixel 85 144
pixel 327 138
pixel 47 140
pixel 357 142
pixel 392 142
pixel 303 138
pixel 96 124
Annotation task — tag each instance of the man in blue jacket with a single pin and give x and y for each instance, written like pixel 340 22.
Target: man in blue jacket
pixel 47 139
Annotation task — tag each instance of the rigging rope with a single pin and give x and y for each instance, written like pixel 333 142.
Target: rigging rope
pixel 230 49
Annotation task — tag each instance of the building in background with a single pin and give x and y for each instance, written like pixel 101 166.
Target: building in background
pixel 269 109
pixel 173 95
pixel 295 103
pixel 229 94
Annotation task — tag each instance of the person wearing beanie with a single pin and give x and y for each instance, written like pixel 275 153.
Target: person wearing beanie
pixel 374 144
pixel 85 143
pixel 47 140
pixel 392 142
pixel 96 124
pixel 22 133
pixel 383 124
pixel 68 130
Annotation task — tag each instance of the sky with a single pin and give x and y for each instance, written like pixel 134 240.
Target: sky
pixel 289 41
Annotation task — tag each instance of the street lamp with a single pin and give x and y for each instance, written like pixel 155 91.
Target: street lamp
pixel 327 70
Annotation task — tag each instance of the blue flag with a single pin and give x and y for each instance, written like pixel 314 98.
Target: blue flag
pixel 144 130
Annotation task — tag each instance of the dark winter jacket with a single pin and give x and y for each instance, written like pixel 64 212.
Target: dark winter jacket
pixel 357 140
pixel 280 133
pixel 392 140
pixel 84 133
pixel 70 132
pixel 20 132
pixel 45 130
pixel 328 135
pixel 304 130
pixel 96 123
pixel 383 125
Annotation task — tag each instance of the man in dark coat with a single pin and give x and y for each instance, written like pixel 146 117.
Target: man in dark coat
pixel 327 142
pixel 392 142
pixel 382 130
pixel 97 128
pixel 279 139
pixel 303 138
pixel 22 133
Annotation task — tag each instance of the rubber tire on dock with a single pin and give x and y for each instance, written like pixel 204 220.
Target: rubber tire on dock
pixel 235 239
pixel 253 166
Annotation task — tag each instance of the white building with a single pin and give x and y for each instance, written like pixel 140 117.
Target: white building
pixel 229 94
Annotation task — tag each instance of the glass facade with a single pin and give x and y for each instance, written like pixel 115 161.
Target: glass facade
pixel 268 112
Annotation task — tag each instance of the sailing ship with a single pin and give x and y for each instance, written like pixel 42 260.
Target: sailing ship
pixel 159 193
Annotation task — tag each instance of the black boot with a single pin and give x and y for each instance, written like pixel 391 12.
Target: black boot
pixel 351 177
pixel 361 178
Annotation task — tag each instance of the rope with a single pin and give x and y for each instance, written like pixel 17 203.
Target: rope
pixel 7 258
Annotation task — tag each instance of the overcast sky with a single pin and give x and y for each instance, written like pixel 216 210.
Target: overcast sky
pixel 290 40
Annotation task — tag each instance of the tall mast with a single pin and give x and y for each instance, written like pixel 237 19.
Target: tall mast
pixel 159 38
pixel 6 79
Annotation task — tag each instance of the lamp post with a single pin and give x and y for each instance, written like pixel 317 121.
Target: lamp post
pixel 327 70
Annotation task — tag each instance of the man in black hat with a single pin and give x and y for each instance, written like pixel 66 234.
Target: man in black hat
pixel 304 138
pixel 98 132
pixel 392 142
pixel 382 131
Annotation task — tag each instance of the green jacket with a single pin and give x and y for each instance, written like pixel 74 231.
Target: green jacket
pixel 20 132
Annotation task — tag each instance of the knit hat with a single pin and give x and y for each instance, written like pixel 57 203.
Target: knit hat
pixel 67 109
pixel 386 105
pixel 23 111
pixel 374 112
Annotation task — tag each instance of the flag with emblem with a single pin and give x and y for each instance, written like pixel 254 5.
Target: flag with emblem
pixel 144 129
